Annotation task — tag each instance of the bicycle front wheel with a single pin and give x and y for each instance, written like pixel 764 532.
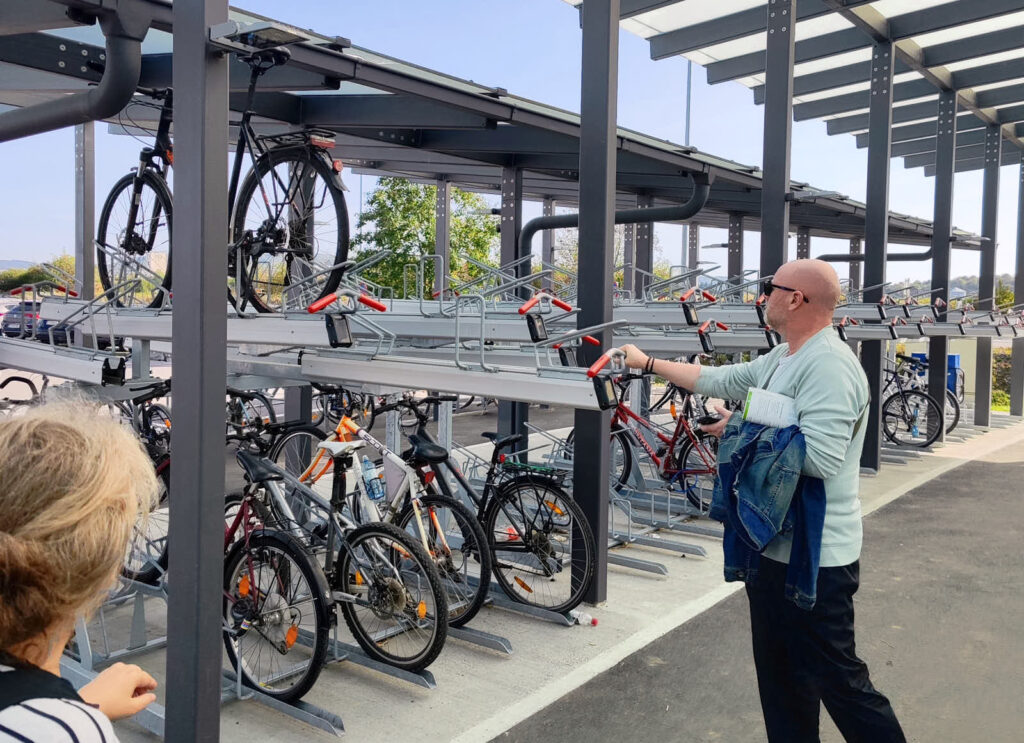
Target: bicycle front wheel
pixel 911 418
pixel 276 614
pixel 290 227
pixel 541 544
pixel 138 248
pixel 952 411
pixel 146 555
pixel 396 607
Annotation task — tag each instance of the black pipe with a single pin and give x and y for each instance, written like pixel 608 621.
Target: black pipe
pixel 114 91
pixel 699 197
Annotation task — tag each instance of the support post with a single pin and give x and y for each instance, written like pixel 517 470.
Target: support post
pixel 200 333
pixel 856 267
pixel 1017 373
pixel 803 242
pixel 942 226
pixel 443 232
pixel 644 246
pixel 512 416
pixel 876 236
pixel 599 92
pixel 692 245
pixel 547 241
pixel 85 208
pixel 987 276
pixel 778 134
pixel 628 256
pixel 735 267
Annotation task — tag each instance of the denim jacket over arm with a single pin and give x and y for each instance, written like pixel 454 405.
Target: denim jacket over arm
pixel 759 494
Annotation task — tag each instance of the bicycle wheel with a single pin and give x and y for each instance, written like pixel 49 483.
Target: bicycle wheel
pixel 290 224
pixel 276 614
pixel 952 411
pixel 361 408
pixel 141 250
pixel 541 544
pixel 458 545
pixel 697 472
pixel 620 463
pixel 146 555
pixel 397 610
pixel 961 385
pixel 911 418
pixel 296 450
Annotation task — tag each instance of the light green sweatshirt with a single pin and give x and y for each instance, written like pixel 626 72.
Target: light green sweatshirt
pixel 828 384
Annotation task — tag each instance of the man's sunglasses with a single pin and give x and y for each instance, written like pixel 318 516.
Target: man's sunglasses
pixel 769 287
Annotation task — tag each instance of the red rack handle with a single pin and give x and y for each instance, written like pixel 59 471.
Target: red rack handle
pixel 69 292
pixel 686 297
pixel 591 340
pixel 721 325
pixel 597 366
pixel 16 291
pixel 561 305
pixel 529 304
pixel 704 327
pixel 322 303
pixel 372 303
pixel 760 300
pixel 708 296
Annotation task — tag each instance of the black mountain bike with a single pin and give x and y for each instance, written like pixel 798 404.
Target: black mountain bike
pixel 288 227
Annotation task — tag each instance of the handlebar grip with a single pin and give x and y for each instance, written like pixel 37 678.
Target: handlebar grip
pixel 322 303
pixel 708 296
pixel 686 297
pixel 591 340
pixel 704 327
pixel 529 304
pixel 598 365
pixel 372 303
pixel 721 325
pixel 561 305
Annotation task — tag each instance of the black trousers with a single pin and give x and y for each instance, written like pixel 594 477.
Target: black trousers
pixel 806 658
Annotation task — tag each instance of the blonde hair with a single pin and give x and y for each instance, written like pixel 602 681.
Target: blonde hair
pixel 72 485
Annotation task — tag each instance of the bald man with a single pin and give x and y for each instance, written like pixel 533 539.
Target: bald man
pixel 805 658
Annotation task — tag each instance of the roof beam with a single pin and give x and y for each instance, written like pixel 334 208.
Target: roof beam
pixel 963 153
pixel 899 27
pixel 927 144
pixel 925 129
pixel 730 27
pixel 386 111
pixel 1009 157
pixel 630 8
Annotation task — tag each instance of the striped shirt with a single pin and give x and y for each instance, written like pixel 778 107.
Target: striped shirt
pixel 38 707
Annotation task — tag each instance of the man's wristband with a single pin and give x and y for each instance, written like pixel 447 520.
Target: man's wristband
pixel 650 365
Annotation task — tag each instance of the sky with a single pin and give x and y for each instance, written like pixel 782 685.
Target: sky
pixel 532 49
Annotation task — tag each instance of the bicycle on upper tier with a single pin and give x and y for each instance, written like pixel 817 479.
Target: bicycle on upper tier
pixel 288 227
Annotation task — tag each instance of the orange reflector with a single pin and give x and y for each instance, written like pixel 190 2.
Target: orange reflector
pixel 421 609
pixel 522 584
pixel 243 586
pixel 672 409
pixel 359 578
pixel 291 636
pixel 513 535
pixel 554 508
pixel 428 477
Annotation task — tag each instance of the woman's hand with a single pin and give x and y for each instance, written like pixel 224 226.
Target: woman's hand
pixel 717 429
pixel 120 691
pixel 635 358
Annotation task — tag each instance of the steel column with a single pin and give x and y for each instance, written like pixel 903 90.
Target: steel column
pixel 194 634
pixel 778 134
pixel 876 235
pixel 856 267
pixel 644 245
pixel 692 245
pixel 942 227
pixel 803 242
pixel 628 256
pixel 85 208
pixel 547 240
pixel 735 265
pixel 987 275
pixel 512 416
pixel 443 231
pixel 1017 374
pixel 598 100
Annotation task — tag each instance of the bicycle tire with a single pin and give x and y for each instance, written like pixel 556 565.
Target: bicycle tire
pixel 154 563
pixel 165 202
pixel 382 599
pixel 698 493
pixel 296 160
pixel 464 598
pixel 952 411
pixel 619 466
pixel 309 644
pixel 290 454
pixel 572 533
pixel 904 409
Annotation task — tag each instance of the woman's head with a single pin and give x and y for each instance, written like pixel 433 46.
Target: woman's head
pixel 72 485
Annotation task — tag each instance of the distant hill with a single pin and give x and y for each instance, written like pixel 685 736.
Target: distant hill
pixel 6 265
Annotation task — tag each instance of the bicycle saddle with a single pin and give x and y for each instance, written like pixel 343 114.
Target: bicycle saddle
pixel 427 451
pixel 257 469
pixel 501 443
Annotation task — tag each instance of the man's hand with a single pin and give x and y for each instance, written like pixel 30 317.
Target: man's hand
pixel 635 358
pixel 120 691
pixel 717 429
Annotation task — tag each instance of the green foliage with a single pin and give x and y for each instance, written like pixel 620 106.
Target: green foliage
pixel 400 218
pixel 1000 399
pixel 1001 367
pixel 1004 294
pixel 15 277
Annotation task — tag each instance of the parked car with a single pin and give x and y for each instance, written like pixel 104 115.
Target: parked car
pixel 23 321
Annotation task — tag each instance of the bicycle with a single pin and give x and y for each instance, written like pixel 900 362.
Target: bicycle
pixel 540 543
pixel 909 416
pixel 447 529
pixel 332 402
pixel 288 227
pixel 387 587
pixel 912 377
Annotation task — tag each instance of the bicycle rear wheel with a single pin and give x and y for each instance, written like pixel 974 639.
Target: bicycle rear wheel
pixel 620 464
pixel 541 544
pixel 698 472
pixel 290 227
pixel 397 611
pixel 141 250
pixel 911 418
pixel 146 555
pixel 276 614
pixel 952 411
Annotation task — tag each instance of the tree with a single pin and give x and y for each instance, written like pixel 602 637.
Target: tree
pixel 1004 295
pixel 400 218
